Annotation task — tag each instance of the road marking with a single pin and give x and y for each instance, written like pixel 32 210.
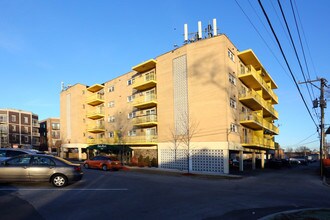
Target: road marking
pixel 61 189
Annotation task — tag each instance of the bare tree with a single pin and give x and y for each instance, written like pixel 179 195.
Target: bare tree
pixel 121 125
pixel 185 130
pixel 175 139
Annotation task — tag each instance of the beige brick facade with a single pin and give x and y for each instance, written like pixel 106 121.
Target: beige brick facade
pixel 223 97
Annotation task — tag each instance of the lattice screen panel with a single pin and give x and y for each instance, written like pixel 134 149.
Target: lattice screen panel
pixel 205 160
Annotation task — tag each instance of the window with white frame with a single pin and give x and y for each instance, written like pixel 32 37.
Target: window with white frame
pixel 233 128
pixel 232 79
pixel 111 119
pixel 129 82
pixel 231 55
pixel 132 133
pixel 111 89
pixel 111 134
pixel 130 98
pixel 26 120
pixel 131 115
pixel 111 104
pixel 233 103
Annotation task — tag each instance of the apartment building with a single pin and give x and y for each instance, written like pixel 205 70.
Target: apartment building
pixel 19 129
pixel 191 108
pixel 50 139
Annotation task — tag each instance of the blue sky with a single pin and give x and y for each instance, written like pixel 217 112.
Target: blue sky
pixel 44 43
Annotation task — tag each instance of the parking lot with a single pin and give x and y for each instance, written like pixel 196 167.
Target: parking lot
pixel 150 193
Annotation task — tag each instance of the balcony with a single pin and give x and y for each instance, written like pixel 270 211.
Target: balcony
pixel 95 88
pixel 145 121
pixel 35 124
pixel 145 81
pixel 35 134
pixel 95 114
pixel 95 99
pixel 255 102
pixel 253 140
pixel 145 66
pixel 145 101
pixel 95 128
pixel 130 140
pixel 251 120
pixel 254 80
pixel 142 140
pixel 251 99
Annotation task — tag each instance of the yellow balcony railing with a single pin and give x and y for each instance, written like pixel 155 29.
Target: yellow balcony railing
pixel 95 128
pixel 253 79
pixel 129 140
pixel 95 99
pixel 145 81
pixel 254 140
pixel 251 120
pixel 145 121
pixel 145 101
pixel 95 114
pixel 254 101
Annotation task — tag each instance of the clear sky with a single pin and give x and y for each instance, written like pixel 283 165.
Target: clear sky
pixel 44 43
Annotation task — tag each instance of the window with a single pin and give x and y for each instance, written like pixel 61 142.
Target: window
pixel 13 118
pixel 19 161
pixel 42 161
pixel 111 119
pixel 26 120
pixel 233 103
pixel 131 115
pixel 26 129
pixel 233 128
pixel 111 104
pixel 111 89
pixel 111 134
pixel 130 98
pixel 132 133
pixel 14 128
pixel 242 69
pixel 231 55
pixel 129 82
pixel 232 79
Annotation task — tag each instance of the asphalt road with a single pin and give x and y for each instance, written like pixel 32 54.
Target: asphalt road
pixel 140 194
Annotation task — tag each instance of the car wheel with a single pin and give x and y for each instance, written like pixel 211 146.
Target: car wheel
pixel 104 167
pixel 86 166
pixel 59 180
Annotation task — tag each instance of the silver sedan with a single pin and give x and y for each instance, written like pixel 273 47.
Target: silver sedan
pixel 40 168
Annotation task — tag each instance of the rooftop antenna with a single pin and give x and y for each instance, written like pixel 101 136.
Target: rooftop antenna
pixel 185 33
pixel 200 30
pixel 215 27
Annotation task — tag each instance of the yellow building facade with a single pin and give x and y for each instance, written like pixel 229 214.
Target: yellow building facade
pixel 190 108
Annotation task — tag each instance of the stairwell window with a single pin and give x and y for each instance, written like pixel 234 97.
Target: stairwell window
pixel 232 79
pixel 233 103
pixel 111 104
pixel 231 55
pixel 111 134
pixel 233 128
pixel 111 88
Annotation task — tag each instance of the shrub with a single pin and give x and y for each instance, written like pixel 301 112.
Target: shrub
pixel 154 162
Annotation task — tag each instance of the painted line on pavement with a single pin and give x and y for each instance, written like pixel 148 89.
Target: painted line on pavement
pixel 56 189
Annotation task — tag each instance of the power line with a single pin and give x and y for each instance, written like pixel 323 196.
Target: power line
pixel 286 61
pixel 302 47
pixel 295 49
pixel 262 38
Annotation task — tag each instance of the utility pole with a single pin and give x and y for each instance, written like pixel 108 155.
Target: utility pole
pixel 322 104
